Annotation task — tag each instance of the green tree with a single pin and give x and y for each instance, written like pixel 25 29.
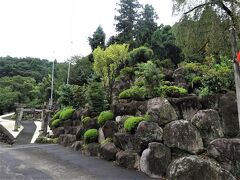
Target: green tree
pixel 107 63
pixel 146 25
pixel 126 20
pixel 97 39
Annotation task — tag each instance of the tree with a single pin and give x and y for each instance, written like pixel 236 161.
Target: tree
pixel 107 63
pixel 146 25
pixel 97 39
pixel 126 20
pixel 231 9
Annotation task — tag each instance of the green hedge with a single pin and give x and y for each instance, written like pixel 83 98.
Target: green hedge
pixel 91 135
pixel 132 122
pixel 104 117
pixel 134 93
pixel 85 120
pixel 171 91
pixel 66 113
pixel 56 115
pixel 55 123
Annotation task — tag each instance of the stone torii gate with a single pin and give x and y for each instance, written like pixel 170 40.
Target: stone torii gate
pixel 45 116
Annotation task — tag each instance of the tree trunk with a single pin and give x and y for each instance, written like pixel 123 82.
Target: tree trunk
pixel 236 69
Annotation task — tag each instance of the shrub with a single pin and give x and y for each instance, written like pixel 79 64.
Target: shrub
pixel 134 93
pixel 55 123
pixel 108 140
pixel 85 120
pixel 104 117
pixel 171 91
pixel 141 54
pixel 132 122
pixel 91 135
pixel 66 113
pixel 56 115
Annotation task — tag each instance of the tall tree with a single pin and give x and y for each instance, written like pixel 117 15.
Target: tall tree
pixel 146 25
pixel 97 39
pixel 229 8
pixel 126 19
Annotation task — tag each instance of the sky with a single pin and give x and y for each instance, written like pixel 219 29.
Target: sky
pixel 58 29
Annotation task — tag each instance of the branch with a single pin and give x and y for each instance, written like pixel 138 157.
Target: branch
pixel 226 9
pixel 199 6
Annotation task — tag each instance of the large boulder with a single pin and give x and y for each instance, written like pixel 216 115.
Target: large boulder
pixel 126 142
pixel 109 128
pixel 155 160
pixel 161 111
pixel 197 168
pixel 126 107
pixel 148 132
pixel 91 124
pixel 227 153
pixel 128 159
pixel 183 135
pixel 209 124
pixel 186 107
pixel 228 112
pixel 108 151
pixel 67 139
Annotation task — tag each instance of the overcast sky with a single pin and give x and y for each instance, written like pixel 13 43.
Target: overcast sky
pixel 38 28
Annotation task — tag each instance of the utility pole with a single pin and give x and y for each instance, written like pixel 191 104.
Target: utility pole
pixel 51 98
pixel 69 63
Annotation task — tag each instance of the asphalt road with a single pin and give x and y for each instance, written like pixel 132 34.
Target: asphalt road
pixel 34 161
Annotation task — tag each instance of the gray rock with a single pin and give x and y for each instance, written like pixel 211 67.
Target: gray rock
pixel 227 153
pixel 109 128
pixel 77 145
pixel 180 78
pixel 228 112
pixel 79 132
pixel 209 125
pixel 92 149
pixel 91 124
pixel 186 107
pixel 155 160
pixel 67 139
pixel 108 151
pixel 161 111
pixel 101 137
pixel 58 131
pixel 183 135
pixel 148 132
pixel 197 168
pixel 128 159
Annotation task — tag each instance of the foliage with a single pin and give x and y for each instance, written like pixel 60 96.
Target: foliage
pixel 7 99
pixel 107 140
pixel 139 55
pixel 107 63
pixel 90 136
pixel 132 122
pixel 85 120
pixel 55 123
pixel 95 96
pixel 134 93
pixel 81 72
pixel 56 115
pixel 97 39
pixel 66 113
pixel 171 91
pixel 104 117
pixel 45 140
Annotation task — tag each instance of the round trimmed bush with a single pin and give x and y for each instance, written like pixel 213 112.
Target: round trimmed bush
pixel 91 135
pixel 104 117
pixel 172 91
pixel 134 93
pixel 55 123
pixel 66 113
pixel 132 122
pixel 85 120
pixel 56 115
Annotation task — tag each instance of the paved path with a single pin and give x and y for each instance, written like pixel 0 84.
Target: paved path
pixel 56 162
pixel 27 133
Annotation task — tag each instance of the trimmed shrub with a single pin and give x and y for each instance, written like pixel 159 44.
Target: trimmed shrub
pixel 134 93
pixel 91 135
pixel 56 115
pixel 55 123
pixel 85 120
pixel 171 91
pixel 141 54
pixel 104 117
pixel 131 123
pixel 66 113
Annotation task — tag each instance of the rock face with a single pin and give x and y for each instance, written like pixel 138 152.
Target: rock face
pixel 161 111
pixel 124 107
pixel 155 160
pixel 209 125
pixel 108 151
pixel 67 139
pixel 197 168
pixel 125 142
pixel 186 107
pixel 148 132
pixel 183 135
pixel 109 128
pixel 229 114
pixel 128 159
pixel 5 136
pixel 227 152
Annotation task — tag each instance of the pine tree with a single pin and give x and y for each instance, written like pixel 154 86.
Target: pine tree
pixel 98 38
